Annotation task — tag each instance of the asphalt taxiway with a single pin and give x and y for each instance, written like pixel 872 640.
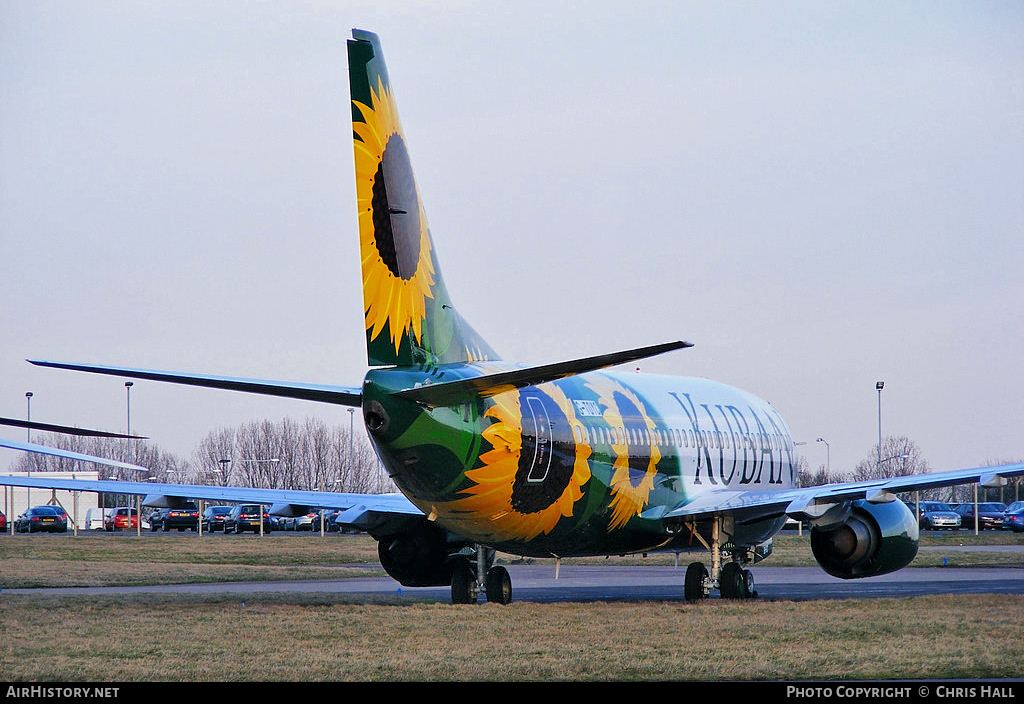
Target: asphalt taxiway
pixel 542 583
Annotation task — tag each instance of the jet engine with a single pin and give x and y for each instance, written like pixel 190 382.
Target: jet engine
pixel 421 555
pixel 875 538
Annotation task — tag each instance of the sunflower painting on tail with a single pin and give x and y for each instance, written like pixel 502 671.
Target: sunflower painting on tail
pixel 409 316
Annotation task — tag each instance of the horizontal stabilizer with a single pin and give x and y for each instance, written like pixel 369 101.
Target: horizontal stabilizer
pixel 66 429
pixel 342 395
pixel 67 454
pixel 454 392
pixel 396 506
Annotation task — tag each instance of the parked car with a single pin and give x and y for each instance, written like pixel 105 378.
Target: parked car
pixel 213 517
pixel 990 515
pixel 330 518
pixel 1014 520
pixel 94 518
pixel 936 515
pixel 39 519
pixel 1015 506
pixel 245 517
pixel 181 517
pixel 3 521
pixel 121 518
pixel 303 522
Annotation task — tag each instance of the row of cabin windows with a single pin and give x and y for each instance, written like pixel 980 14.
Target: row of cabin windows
pixel 715 439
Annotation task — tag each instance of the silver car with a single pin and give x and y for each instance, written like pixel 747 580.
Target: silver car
pixel 936 515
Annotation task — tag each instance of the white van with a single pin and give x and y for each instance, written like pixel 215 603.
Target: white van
pixel 94 518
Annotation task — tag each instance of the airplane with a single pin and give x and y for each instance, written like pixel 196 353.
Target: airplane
pixel 559 460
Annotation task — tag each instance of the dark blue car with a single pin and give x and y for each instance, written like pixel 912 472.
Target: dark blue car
pixel 1014 520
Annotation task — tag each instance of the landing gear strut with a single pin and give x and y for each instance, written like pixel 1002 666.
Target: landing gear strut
pixel 733 580
pixel 467 582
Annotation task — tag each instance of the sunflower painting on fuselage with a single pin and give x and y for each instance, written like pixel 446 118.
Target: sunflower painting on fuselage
pixel 634 448
pixel 535 471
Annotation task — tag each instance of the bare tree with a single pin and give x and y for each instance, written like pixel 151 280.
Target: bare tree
pixel 270 455
pixel 290 455
pixel 209 465
pixel 899 456
pixel 819 476
pixel 160 465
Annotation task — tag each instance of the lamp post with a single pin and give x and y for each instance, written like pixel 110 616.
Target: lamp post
pixel 828 457
pixel 128 411
pixel 28 415
pixel 351 426
pixel 131 456
pixel 28 438
pixel 878 386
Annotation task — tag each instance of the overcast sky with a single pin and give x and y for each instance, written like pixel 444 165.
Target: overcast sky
pixel 818 195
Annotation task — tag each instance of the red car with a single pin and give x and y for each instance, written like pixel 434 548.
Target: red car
pixel 121 518
pixel 3 521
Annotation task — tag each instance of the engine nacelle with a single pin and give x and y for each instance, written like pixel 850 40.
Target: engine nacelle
pixel 420 555
pixel 875 539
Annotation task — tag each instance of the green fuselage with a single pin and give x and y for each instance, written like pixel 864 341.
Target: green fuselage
pixel 582 466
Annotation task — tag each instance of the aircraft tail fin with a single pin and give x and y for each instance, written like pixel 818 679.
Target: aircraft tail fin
pixel 409 316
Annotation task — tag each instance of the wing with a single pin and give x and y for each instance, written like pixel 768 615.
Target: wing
pixel 342 395
pixel 812 502
pixel 369 512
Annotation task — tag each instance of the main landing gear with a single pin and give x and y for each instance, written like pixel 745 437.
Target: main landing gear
pixel 733 580
pixel 467 584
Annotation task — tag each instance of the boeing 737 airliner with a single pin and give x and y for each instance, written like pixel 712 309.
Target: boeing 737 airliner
pixel 566 459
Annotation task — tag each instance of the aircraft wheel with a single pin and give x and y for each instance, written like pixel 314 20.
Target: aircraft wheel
pixel 748 578
pixel 695 584
pixel 732 584
pixel 464 589
pixel 499 586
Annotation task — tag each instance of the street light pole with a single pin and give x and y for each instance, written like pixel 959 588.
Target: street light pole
pixel 351 422
pixel 131 456
pixel 28 415
pixel 828 457
pixel 879 385
pixel 128 401
pixel 28 438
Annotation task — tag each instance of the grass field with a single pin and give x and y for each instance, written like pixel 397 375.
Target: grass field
pixel 331 637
